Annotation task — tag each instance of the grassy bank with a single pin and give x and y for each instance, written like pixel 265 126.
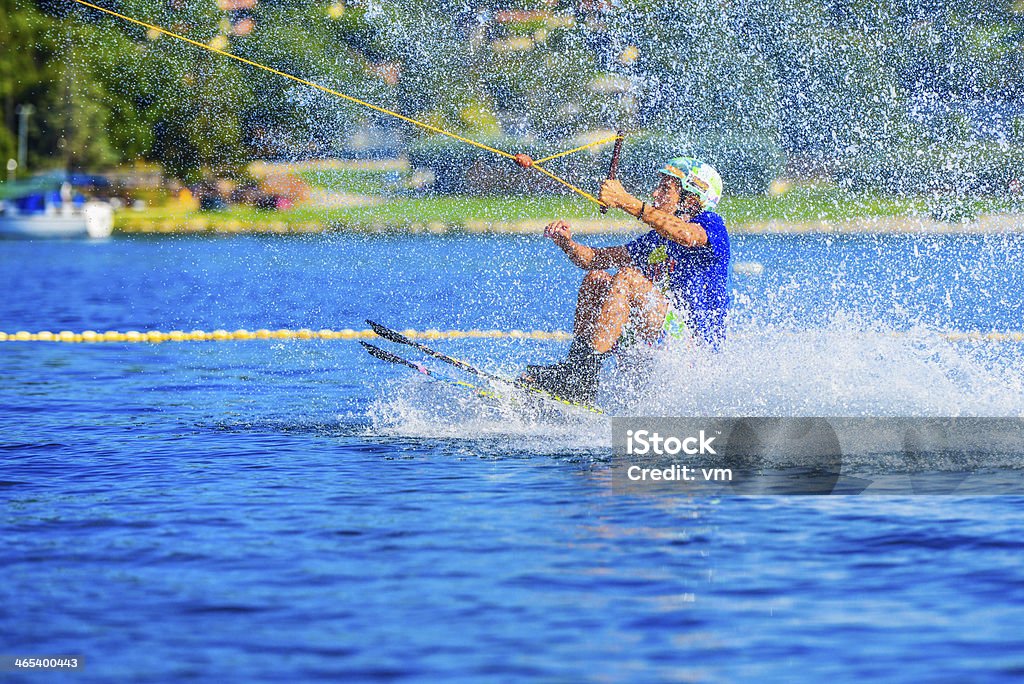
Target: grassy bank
pixel 801 209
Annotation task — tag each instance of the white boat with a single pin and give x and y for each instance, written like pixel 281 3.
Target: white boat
pixel 93 219
pixel 38 213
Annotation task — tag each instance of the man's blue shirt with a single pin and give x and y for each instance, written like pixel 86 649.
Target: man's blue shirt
pixel 695 278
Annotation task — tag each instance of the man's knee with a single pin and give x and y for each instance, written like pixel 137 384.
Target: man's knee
pixel 596 278
pixel 628 279
pixel 595 284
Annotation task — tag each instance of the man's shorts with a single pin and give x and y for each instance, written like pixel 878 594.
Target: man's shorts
pixel 674 327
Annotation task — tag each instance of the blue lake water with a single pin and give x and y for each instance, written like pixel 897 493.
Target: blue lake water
pixel 296 510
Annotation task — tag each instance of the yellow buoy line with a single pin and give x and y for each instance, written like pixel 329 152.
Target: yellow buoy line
pixel 157 336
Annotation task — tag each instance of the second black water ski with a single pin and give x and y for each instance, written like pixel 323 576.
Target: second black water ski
pixel 391 335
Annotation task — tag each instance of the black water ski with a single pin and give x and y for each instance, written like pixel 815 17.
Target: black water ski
pixel 385 355
pixel 398 338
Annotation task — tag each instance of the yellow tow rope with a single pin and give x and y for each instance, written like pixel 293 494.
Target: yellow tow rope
pixel 376 108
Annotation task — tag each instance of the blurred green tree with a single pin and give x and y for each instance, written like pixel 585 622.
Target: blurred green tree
pixel 748 85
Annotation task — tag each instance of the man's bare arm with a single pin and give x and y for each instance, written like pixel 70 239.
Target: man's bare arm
pixel 596 258
pixel 675 228
pixel 587 258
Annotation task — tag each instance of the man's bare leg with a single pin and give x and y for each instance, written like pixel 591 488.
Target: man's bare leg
pixel 592 294
pixel 630 295
pixel 604 305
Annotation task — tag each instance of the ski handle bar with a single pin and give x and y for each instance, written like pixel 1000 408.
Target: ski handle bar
pixel 613 169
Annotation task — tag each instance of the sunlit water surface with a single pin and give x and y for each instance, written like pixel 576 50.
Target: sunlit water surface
pixel 272 510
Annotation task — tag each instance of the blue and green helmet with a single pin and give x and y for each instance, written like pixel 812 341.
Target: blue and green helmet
pixel 697 177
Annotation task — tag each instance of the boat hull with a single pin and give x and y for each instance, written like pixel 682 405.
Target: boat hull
pixel 94 220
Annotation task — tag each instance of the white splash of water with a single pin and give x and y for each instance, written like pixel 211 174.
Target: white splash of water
pixel 847 368
pixel 417 407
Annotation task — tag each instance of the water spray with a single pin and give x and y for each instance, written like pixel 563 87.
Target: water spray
pixel 521 159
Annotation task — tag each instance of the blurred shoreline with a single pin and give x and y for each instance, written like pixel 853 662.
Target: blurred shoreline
pixel 129 222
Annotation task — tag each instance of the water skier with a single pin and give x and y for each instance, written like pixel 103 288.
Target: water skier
pixel 672 282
